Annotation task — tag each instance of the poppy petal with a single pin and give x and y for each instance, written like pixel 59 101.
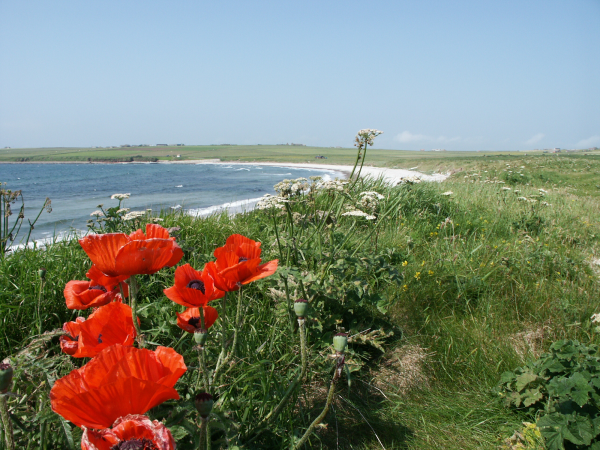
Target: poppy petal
pixel 97 277
pixel 154 231
pixel 263 271
pixel 140 379
pixel 146 257
pixel 100 408
pixel 79 296
pixel 109 325
pixel 210 316
pixel 102 250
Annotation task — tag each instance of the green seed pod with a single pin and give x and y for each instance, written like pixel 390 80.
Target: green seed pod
pixel 42 273
pixel 204 404
pixel 200 336
pixel 300 307
pixel 340 340
pixel 6 375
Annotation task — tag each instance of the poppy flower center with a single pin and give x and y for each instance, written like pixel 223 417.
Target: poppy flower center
pixel 135 444
pixel 97 288
pixel 194 321
pixel 197 284
pixel 242 259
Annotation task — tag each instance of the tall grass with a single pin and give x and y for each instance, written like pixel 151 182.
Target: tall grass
pixel 442 293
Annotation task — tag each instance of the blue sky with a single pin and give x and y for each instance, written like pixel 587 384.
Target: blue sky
pixel 460 75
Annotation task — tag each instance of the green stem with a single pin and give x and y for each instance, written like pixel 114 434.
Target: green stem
pixel 289 304
pixel 40 297
pixel 203 427
pixel 8 430
pixel 237 326
pixel 321 416
pixel 133 291
pixel 203 369
pixel 277 237
pixel 303 354
pixel 356 162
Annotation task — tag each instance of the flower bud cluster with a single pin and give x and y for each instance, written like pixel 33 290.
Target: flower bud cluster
pixel 290 188
pixel 369 201
pixel 333 185
pixel 119 196
pixel 366 137
pixel 270 201
pixel 409 180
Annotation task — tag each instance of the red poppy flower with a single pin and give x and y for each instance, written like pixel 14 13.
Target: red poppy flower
pixel 190 319
pixel 192 287
pixel 238 263
pixel 99 291
pixel 120 380
pixel 130 432
pixel 108 325
pixel 119 254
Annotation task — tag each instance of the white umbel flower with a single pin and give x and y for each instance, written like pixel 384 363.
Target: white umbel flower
pixel 119 196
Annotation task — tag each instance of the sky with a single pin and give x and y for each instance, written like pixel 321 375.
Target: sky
pixel 459 75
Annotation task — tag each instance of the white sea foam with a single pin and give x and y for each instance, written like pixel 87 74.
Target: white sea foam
pixel 181 185
pixel 231 207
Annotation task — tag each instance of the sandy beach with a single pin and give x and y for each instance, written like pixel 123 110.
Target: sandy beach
pixel 391 175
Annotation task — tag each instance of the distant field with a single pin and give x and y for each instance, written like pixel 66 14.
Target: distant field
pixel 428 161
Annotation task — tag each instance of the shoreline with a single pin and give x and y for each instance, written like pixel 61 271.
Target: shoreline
pixel 389 175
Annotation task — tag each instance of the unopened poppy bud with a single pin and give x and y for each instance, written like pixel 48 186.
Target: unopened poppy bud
pixel 200 336
pixel 42 273
pixel 204 404
pixel 6 375
pixel 300 307
pixel 340 340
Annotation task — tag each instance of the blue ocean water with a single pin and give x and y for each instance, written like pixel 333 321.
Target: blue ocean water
pixel 76 190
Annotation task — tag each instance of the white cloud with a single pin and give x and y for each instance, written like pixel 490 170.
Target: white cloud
pixel 407 136
pixel 535 139
pixel 589 142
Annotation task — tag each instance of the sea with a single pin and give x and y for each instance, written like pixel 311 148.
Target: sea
pixel 76 190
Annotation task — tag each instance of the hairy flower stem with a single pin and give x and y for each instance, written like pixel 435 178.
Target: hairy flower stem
pixel 289 303
pixel 321 416
pixel 133 291
pixel 203 369
pixel 203 433
pixel 40 298
pixel 277 237
pixel 303 354
pixel 356 162
pixel 224 320
pixel 236 328
pixel 8 430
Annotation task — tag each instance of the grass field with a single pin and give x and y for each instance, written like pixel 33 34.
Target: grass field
pixel 454 284
pixel 423 161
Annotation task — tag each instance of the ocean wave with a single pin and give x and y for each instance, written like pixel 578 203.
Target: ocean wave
pixel 44 242
pixel 181 185
pixel 242 168
pixel 203 212
pixel 277 174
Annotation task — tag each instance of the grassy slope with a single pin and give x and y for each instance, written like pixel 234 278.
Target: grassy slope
pixel 479 296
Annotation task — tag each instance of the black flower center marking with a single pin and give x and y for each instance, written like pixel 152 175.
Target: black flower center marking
pixel 135 444
pixel 97 288
pixel 242 259
pixel 100 338
pixel 195 322
pixel 197 284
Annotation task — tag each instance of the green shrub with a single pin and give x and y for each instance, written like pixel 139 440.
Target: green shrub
pixel 561 388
